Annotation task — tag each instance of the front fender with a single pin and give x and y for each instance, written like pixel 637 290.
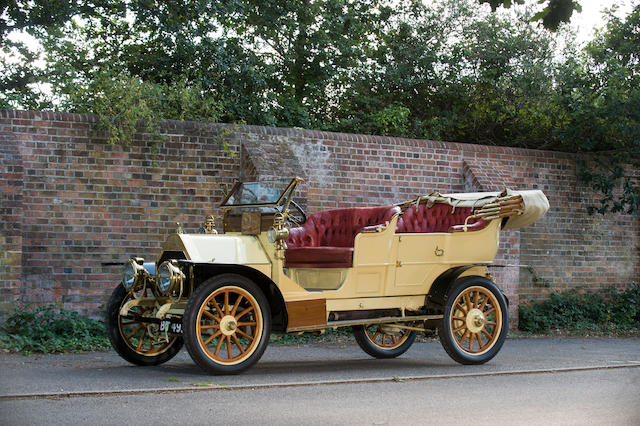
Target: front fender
pixel 202 271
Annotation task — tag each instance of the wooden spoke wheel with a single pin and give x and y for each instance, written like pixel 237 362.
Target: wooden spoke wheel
pixel 138 341
pixel 227 324
pixel 384 340
pixel 475 321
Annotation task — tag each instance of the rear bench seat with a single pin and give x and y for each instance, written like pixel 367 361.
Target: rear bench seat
pixel 326 239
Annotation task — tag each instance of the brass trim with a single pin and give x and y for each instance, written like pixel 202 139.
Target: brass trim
pixel 147 301
pixel 176 277
pixel 162 311
pixel 140 275
pixel 209 225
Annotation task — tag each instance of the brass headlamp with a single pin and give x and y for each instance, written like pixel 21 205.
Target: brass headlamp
pixel 169 277
pixel 134 274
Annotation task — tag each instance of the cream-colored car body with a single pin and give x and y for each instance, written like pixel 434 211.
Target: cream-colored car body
pixel 223 294
pixel 389 270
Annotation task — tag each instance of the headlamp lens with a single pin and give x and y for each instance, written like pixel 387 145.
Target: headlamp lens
pixel 271 235
pixel 128 276
pixel 164 277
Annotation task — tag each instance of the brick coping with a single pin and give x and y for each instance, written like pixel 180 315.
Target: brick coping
pixel 304 133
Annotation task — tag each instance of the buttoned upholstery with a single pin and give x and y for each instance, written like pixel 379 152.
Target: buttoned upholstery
pixel 437 218
pixel 326 239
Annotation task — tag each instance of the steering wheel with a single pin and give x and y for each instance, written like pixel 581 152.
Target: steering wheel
pixel 295 216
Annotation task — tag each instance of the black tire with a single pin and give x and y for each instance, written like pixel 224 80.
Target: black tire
pixel 475 313
pixel 124 333
pixel 398 341
pixel 239 321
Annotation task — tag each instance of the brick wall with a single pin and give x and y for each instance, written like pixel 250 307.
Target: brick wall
pixel 565 249
pixel 70 202
pixel 81 202
pixel 11 180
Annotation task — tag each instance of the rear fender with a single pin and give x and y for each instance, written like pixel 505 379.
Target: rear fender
pixel 438 291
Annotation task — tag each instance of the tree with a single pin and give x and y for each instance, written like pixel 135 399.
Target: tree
pixel 487 82
pixel 600 92
pixel 552 15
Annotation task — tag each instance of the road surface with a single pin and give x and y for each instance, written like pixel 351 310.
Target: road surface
pixel 554 381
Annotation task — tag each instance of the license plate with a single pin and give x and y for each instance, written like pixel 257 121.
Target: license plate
pixel 171 327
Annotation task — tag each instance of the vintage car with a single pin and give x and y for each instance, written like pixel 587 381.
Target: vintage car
pixel 387 271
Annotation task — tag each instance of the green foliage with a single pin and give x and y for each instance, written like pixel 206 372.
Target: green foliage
pixel 393 119
pixel 605 311
pixel 602 103
pixel 126 105
pixel 329 335
pixel 50 329
pixel 552 15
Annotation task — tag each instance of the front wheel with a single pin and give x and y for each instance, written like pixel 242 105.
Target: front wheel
pixel 227 324
pixel 384 340
pixel 475 321
pixel 138 341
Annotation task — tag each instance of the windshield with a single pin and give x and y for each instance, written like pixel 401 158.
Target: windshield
pixel 257 193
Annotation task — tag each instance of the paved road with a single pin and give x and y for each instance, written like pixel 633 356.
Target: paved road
pixel 593 381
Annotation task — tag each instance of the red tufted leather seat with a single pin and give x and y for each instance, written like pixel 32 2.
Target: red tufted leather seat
pixel 326 239
pixel 438 218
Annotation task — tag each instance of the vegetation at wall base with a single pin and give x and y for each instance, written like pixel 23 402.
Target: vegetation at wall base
pixel 606 312
pixel 51 329
pixel 330 336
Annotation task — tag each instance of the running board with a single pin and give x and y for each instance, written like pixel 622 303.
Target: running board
pixel 347 323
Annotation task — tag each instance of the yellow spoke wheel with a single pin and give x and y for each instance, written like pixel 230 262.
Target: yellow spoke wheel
pixel 384 340
pixel 227 324
pixel 475 321
pixel 139 342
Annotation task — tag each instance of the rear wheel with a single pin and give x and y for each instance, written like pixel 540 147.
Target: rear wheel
pixel 384 340
pixel 227 324
pixel 475 322
pixel 138 341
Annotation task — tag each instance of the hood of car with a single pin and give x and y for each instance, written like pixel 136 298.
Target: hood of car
pixel 235 249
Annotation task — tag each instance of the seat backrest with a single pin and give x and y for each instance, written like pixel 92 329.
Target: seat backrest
pixel 437 218
pixel 338 228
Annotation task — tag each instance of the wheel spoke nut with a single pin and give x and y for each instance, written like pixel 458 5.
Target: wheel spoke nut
pixel 478 321
pixel 475 321
pixel 228 325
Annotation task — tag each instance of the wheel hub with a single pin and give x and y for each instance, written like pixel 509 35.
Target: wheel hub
pixel 475 320
pixel 228 325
